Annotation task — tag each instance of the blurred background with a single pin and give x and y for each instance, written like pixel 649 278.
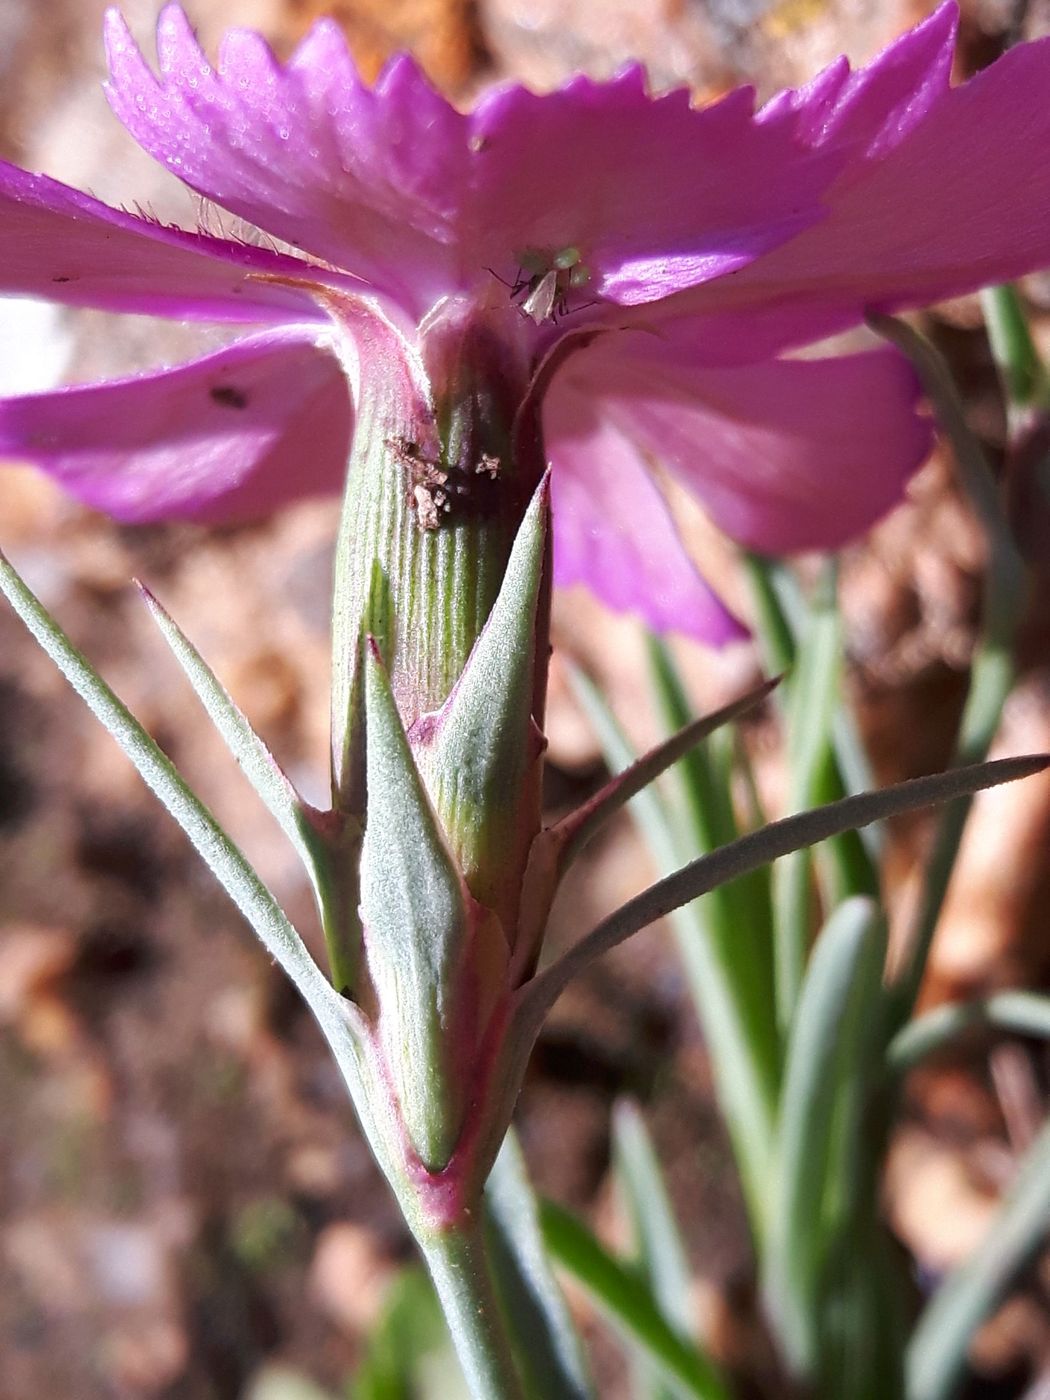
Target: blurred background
pixel 185 1200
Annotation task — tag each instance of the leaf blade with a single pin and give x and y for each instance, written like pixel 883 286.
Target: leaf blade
pixel 758 848
pixel 417 926
pixel 655 1229
pixel 295 818
pixel 546 1345
pixel 937 1352
pixel 226 862
pixel 655 1237
pixel 852 938
pixel 575 830
pixel 746 1087
pixel 1017 1012
pixel 629 1304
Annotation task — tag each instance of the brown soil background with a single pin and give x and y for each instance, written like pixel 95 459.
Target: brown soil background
pixel 185 1197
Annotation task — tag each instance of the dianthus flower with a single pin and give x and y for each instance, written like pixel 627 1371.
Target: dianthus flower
pixel 493 329
pixel 636 265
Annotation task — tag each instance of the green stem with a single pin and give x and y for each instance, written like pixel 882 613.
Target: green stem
pixel 459 1266
pixel 1023 374
pixel 726 948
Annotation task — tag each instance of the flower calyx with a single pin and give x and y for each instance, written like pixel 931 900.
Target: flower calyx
pixel 452 806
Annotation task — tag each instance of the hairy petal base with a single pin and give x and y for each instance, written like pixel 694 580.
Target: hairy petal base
pixel 68 247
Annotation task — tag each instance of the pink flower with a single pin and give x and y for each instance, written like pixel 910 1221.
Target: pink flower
pixel 671 256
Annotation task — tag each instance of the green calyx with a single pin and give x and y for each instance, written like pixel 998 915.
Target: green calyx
pixel 435 492
pixel 451 809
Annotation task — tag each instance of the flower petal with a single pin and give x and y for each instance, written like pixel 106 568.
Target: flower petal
pixel 369 179
pixel 396 186
pixel 955 203
pixel 654 193
pixel 784 455
pixel 229 437
pixel 613 531
pixel 873 109
pixel 65 246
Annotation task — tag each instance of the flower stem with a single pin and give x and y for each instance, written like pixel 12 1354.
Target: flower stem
pixel 459 1267
pixel 1026 384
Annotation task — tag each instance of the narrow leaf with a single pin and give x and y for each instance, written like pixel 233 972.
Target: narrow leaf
pixel 653 1226
pixel 646 806
pixel 812 703
pixel 628 1304
pixel 702 779
pixel 704 782
pixel 736 1021
pixel 774 625
pixel 657 1243
pixel 864 1278
pixel 574 831
pixel 758 848
pixel 992 673
pixel 780 608
pixel 297 819
pixel 937 1352
pixel 1016 1013
pixel 546 1346
pixel 219 853
pixel 976 476
pixel 853 937
pixel 1024 377
pixel 259 765
pixel 728 951
pixel 815 684
pixel 340 1020
pixel 848 865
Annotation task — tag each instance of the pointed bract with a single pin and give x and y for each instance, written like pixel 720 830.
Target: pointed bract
pixel 420 926
pixel 479 755
pixel 326 848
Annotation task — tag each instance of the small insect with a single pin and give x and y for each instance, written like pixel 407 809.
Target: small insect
pixel 545 280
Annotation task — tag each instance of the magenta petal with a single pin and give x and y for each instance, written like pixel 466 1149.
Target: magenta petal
pixel 226 438
pixel 368 179
pixel 784 455
pixel 879 105
pixel 655 194
pixel 956 203
pixel 613 531
pixel 874 108
pixel 63 245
